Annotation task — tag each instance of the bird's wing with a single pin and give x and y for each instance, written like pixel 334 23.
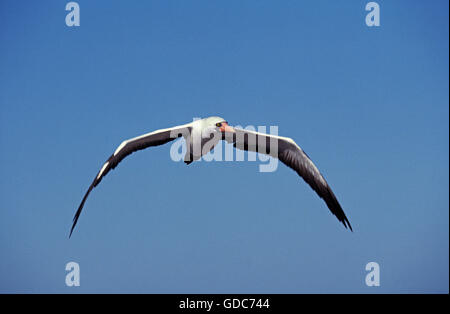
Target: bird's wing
pixel 158 137
pixel 286 150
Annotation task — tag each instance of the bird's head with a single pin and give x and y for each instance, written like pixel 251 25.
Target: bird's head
pixel 219 124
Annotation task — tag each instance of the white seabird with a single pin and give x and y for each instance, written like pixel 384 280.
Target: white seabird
pixel 201 136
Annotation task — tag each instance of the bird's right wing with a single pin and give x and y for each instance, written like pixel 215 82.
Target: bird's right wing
pixel 158 137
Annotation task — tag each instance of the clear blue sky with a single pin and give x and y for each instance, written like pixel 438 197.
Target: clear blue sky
pixel 369 106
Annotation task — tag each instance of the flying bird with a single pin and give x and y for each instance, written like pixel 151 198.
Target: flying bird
pixel 202 136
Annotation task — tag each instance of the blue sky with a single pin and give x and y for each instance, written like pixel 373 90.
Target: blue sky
pixel 368 105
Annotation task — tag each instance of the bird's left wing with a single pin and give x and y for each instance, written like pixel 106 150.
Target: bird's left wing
pixel 158 137
pixel 287 151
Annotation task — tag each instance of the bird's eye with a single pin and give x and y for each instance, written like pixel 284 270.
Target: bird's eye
pixel 218 125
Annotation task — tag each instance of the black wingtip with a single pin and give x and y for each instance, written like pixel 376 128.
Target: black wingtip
pixel 336 208
pixel 75 219
pixel 343 218
pixel 80 208
pixel 71 230
pixel 347 224
pixel 350 226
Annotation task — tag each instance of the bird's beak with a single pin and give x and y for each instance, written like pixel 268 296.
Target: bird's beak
pixel 225 128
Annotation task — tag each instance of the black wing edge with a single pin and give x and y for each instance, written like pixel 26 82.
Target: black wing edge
pixel 77 214
pixel 112 163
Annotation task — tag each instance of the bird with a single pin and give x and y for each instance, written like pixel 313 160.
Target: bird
pixel 202 135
